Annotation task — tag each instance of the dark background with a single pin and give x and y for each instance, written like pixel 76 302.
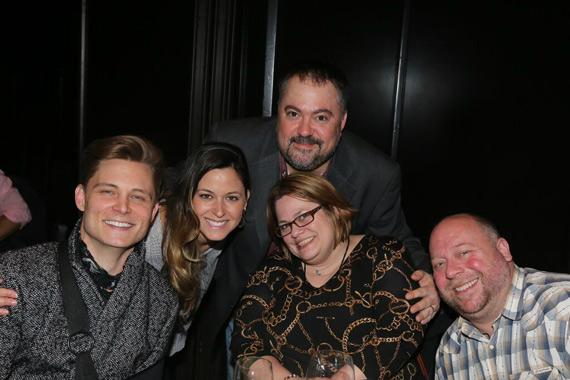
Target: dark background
pixel 483 125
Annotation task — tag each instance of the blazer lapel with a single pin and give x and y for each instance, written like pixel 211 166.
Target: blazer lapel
pixel 340 173
pixel 265 175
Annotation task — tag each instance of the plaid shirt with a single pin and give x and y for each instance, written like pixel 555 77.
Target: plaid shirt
pixel 531 338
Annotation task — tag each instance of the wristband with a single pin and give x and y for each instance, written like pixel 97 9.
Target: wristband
pixel 290 376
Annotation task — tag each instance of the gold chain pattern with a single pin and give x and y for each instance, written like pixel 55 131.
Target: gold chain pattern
pixel 361 310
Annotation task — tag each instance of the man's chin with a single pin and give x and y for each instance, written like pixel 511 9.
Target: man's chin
pixel 304 166
pixel 467 310
pixel 304 162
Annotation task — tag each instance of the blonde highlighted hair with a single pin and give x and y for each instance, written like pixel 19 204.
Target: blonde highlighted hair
pixel 183 260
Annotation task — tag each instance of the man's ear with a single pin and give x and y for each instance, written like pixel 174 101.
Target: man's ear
pixel 154 211
pixel 80 197
pixel 503 247
pixel 343 120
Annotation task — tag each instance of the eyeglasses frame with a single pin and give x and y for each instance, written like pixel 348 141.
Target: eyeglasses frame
pixel 290 224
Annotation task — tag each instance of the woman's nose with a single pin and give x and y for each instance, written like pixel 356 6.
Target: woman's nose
pixel 219 210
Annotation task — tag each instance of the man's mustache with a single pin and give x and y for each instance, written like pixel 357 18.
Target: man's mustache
pixel 305 140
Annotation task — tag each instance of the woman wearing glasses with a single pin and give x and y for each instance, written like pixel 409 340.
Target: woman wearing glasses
pixel 325 288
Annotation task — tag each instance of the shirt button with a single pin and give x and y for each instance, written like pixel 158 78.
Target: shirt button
pixel 491 347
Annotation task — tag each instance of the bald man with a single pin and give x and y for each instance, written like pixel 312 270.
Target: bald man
pixel 513 322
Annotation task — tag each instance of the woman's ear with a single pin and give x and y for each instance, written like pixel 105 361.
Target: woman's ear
pixel 248 193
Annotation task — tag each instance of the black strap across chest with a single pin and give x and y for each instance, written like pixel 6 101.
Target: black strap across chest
pixel 80 341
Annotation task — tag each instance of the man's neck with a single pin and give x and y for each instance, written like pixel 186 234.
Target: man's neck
pixel 485 324
pixel 111 259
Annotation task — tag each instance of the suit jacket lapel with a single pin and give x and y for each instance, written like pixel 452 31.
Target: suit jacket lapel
pixel 267 170
pixel 340 173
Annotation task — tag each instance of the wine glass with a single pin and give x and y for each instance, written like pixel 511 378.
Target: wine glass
pixel 331 364
pixel 253 368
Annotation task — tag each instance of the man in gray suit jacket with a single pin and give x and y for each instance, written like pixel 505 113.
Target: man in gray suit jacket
pixel 307 136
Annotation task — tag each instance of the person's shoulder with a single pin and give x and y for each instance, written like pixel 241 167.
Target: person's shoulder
pixel 367 165
pixel 32 256
pixel 277 258
pixel 386 253
pixel 547 293
pixel 274 263
pixel 451 339
pixel 256 137
pixel 364 150
pixel 31 271
pixel 386 244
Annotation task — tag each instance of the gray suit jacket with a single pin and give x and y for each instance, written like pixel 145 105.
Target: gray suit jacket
pixel 369 179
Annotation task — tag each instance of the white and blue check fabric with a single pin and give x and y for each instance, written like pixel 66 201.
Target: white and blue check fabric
pixel 531 338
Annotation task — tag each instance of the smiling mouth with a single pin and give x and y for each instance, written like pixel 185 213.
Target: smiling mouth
pixel 305 242
pixel 466 286
pixel 114 223
pixel 216 224
pixel 305 147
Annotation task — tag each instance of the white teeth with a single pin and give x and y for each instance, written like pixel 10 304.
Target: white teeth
pixel 216 224
pixel 466 286
pixel 303 242
pixel 117 224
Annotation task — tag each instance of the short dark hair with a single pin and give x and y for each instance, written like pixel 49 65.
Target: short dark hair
pixel 320 73
pixel 313 188
pixel 124 147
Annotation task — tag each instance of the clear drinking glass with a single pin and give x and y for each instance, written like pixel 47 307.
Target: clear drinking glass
pixel 330 364
pixel 253 368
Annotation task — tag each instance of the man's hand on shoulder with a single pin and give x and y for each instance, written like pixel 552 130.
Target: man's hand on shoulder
pixel 428 306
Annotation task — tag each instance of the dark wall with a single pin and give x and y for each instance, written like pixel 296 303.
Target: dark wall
pixel 483 128
pixel 138 74
pixel 483 123
pixel 38 103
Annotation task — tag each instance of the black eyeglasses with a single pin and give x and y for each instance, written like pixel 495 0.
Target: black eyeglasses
pixel 300 221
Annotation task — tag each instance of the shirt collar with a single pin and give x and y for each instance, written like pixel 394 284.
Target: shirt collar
pixel 514 305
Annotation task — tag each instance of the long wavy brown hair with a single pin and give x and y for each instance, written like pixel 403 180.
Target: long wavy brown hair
pixel 183 260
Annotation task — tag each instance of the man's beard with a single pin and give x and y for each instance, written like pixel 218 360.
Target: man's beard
pixel 493 284
pixel 298 160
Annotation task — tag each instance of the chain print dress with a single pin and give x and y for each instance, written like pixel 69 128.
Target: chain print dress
pixel 361 310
